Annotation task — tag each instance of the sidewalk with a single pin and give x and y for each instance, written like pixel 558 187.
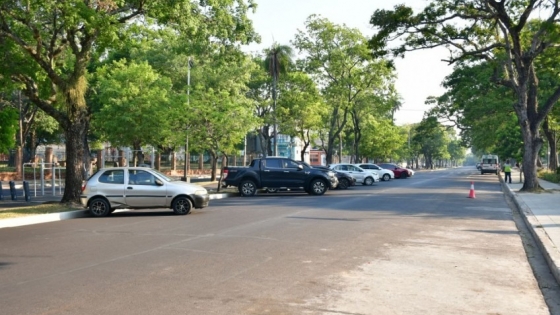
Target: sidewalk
pixel 541 212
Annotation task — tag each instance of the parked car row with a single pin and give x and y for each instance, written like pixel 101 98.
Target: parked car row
pixel 142 187
pixel 369 173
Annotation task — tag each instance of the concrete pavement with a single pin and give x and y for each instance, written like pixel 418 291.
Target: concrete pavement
pixel 541 212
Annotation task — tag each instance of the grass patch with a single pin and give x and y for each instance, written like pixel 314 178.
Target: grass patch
pixel 549 176
pixel 37 209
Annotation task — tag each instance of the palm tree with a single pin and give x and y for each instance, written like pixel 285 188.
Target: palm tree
pixel 278 60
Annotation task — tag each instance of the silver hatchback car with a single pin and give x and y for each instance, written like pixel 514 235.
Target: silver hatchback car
pixel 139 187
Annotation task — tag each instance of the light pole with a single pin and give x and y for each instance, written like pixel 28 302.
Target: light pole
pixel 274 79
pixel 186 171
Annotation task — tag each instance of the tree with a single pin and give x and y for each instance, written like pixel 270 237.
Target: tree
pixel 278 59
pixel 431 138
pixel 259 92
pixel 498 32
pixel 219 113
pixel 381 139
pixel 338 59
pixel 300 109
pixel 137 105
pixel 47 46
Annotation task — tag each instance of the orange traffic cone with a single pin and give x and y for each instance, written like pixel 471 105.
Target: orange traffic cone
pixel 471 193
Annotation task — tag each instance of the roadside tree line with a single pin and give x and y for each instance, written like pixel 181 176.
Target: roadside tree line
pixel 505 84
pixel 85 73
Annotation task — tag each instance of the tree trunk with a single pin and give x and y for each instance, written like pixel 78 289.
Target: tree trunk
pixel 214 158
pixel 532 144
pixel 551 138
pixel 75 133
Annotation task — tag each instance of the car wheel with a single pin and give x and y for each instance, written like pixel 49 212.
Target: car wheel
pixel 318 187
pixel 368 181
pixel 403 175
pixel 386 177
pixel 181 205
pixel 99 207
pixel 272 190
pixel 343 183
pixel 247 188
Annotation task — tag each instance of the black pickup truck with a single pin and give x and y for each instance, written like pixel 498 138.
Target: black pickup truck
pixel 278 172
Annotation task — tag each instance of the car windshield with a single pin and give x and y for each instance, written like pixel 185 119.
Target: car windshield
pixel 164 177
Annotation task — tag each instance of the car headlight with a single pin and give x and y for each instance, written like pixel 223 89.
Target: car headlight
pixel 331 173
pixel 201 192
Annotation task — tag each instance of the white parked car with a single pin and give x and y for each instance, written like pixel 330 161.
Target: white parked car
pixel 384 174
pixel 365 177
pixel 139 188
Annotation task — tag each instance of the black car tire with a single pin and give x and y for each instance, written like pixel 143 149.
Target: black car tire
pixel 99 207
pixel 403 175
pixel 343 183
pixel 181 205
pixel 272 190
pixel 386 177
pixel 318 187
pixel 247 188
pixel 368 181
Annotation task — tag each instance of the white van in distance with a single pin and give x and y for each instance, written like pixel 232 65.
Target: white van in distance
pixel 489 164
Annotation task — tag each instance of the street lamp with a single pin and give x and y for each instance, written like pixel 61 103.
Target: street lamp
pixel 186 170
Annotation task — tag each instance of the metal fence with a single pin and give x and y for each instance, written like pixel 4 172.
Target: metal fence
pixel 45 176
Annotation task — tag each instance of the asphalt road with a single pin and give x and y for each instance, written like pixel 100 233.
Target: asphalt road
pixel 412 246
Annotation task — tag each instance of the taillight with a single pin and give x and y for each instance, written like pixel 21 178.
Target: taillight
pixel 225 174
pixel 84 186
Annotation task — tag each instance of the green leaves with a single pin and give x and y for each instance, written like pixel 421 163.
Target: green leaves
pixel 8 127
pixel 137 104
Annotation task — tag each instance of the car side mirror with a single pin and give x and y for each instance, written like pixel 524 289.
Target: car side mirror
pixel 158 182
pixel 300 167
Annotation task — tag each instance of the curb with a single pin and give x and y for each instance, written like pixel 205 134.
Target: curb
pixel 549 250
pixel 60 216
pixel 43 218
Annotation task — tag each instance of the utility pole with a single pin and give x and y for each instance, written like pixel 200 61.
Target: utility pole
pixel 186 170
pixel 274 96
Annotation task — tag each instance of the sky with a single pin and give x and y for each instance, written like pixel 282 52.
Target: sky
pixel 420 73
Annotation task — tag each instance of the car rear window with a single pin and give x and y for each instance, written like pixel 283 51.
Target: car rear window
pixel 489 161
pixel 112 177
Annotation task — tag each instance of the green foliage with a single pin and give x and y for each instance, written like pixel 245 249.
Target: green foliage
pixel 47 45
pixel 382 140
pixel 8 127
pixel 549 176
pixel 338 60
pixel 501 35
pixel 432 139
pixel 137 104
pixel 220 115
pixel 300 108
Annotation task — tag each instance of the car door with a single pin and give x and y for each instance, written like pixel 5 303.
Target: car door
pixel 111 185
pixel 272 173
pixel 142 190
pixel 393 168
pixel 357 173
pixel 296 173
pixel 343 168
pixel 374 168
